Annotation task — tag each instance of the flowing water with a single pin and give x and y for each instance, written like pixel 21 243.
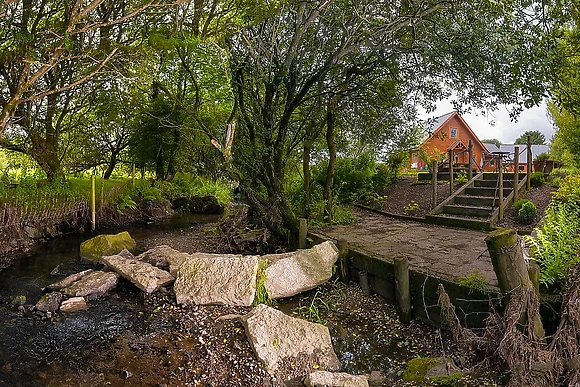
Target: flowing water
pixel 30 344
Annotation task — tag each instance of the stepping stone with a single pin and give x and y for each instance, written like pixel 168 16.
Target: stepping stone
pixel 146 277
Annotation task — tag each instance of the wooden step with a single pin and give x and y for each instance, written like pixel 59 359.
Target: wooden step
pixel 493 183
pixel 471 211
pixel 479 201
pixel 484 191
pixel 506 176
pixel 459 221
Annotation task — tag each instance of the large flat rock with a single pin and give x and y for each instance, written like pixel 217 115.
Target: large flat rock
pixel 94 284
pixel 106 244
pixel 292 273
pixel 146 277
pixel 289 347
pixel 217 279
pixel 335 379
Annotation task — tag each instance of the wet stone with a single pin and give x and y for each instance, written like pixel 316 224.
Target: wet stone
pixel 94 284
pixel 335 379
pixel 73 304
pixel 68 281
pixel 146 277
pixel 49 302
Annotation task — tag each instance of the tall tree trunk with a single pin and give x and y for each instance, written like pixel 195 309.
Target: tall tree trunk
pixel 159 169
pixel 111 166
pixel 330 143
pixel 172 155
pixel 44 149
pixel 307 177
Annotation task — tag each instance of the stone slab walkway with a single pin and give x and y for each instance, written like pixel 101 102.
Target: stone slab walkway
pixel 446 251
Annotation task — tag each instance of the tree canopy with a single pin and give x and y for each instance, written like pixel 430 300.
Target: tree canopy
pixel 536 138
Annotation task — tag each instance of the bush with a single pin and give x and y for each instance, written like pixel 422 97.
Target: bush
pixel 569 191
pixel 527 213
pixel 518 205
pixel 537 179
pixel 556 245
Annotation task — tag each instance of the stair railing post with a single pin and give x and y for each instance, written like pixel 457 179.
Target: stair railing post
pixel 516 173
pixel 451 172
pixel 500 185
pixel 529 164
pixel 470 155
pixel 433 184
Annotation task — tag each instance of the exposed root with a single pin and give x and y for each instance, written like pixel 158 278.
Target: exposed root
pixel 510 340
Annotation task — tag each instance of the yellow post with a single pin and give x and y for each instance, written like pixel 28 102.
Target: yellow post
pixel 93 209
pixel 133 176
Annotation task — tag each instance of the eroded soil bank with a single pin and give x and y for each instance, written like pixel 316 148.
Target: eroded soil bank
pixel 130 339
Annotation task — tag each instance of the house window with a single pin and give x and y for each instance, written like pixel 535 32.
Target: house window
pixel 453 132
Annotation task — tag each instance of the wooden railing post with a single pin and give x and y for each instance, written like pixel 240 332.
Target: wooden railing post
pixel 402 288
pixel 500 185
pixel 451 172
pixel 434 184
pixel 303 234
pixel 470 155
pixel 343 261
pixel 516 173
pixel 529 164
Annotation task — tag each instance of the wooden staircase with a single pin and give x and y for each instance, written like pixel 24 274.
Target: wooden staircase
pixel 476 204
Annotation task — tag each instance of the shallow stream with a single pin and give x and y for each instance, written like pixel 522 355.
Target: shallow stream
pixel 31 348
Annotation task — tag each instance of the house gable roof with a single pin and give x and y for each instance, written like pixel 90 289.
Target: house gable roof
pixel 439 122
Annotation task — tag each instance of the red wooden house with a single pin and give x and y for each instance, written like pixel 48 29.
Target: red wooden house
pixel 449 132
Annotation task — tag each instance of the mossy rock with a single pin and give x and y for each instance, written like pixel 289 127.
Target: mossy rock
pixel 437 369
pixel 103 245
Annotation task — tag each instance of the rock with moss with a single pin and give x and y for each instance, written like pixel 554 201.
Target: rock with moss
pixel 49 302
pixel 227 279
pixel 293 273
pixel 421 369
pixel 102 245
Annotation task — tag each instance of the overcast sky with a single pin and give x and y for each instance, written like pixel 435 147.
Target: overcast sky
pixel 498 124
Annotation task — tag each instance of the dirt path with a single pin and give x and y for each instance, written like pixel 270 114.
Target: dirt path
pixel 446 251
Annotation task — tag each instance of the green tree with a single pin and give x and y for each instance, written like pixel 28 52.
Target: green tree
pixel 492 141
pixel 536 138
pixel 565 145
pixel 325 51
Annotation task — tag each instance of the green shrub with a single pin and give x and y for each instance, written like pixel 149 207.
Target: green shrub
pixel 542 156
pixel 518 205
pixel 461 177
pixel 537 179
pixel 569 191
pixel 556 245
pixel 475 281
pixel 527 213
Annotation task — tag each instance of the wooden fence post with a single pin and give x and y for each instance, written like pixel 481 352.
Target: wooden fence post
pixel 470 155
pixel 402 288
pixel 93 204
pixel 344 270
pixel 133 176
pixel 516 173
pixel 302 234
pixel 510 268
pixel 451 172
pixel 500 185
pixel 529 164
pixel 434 184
